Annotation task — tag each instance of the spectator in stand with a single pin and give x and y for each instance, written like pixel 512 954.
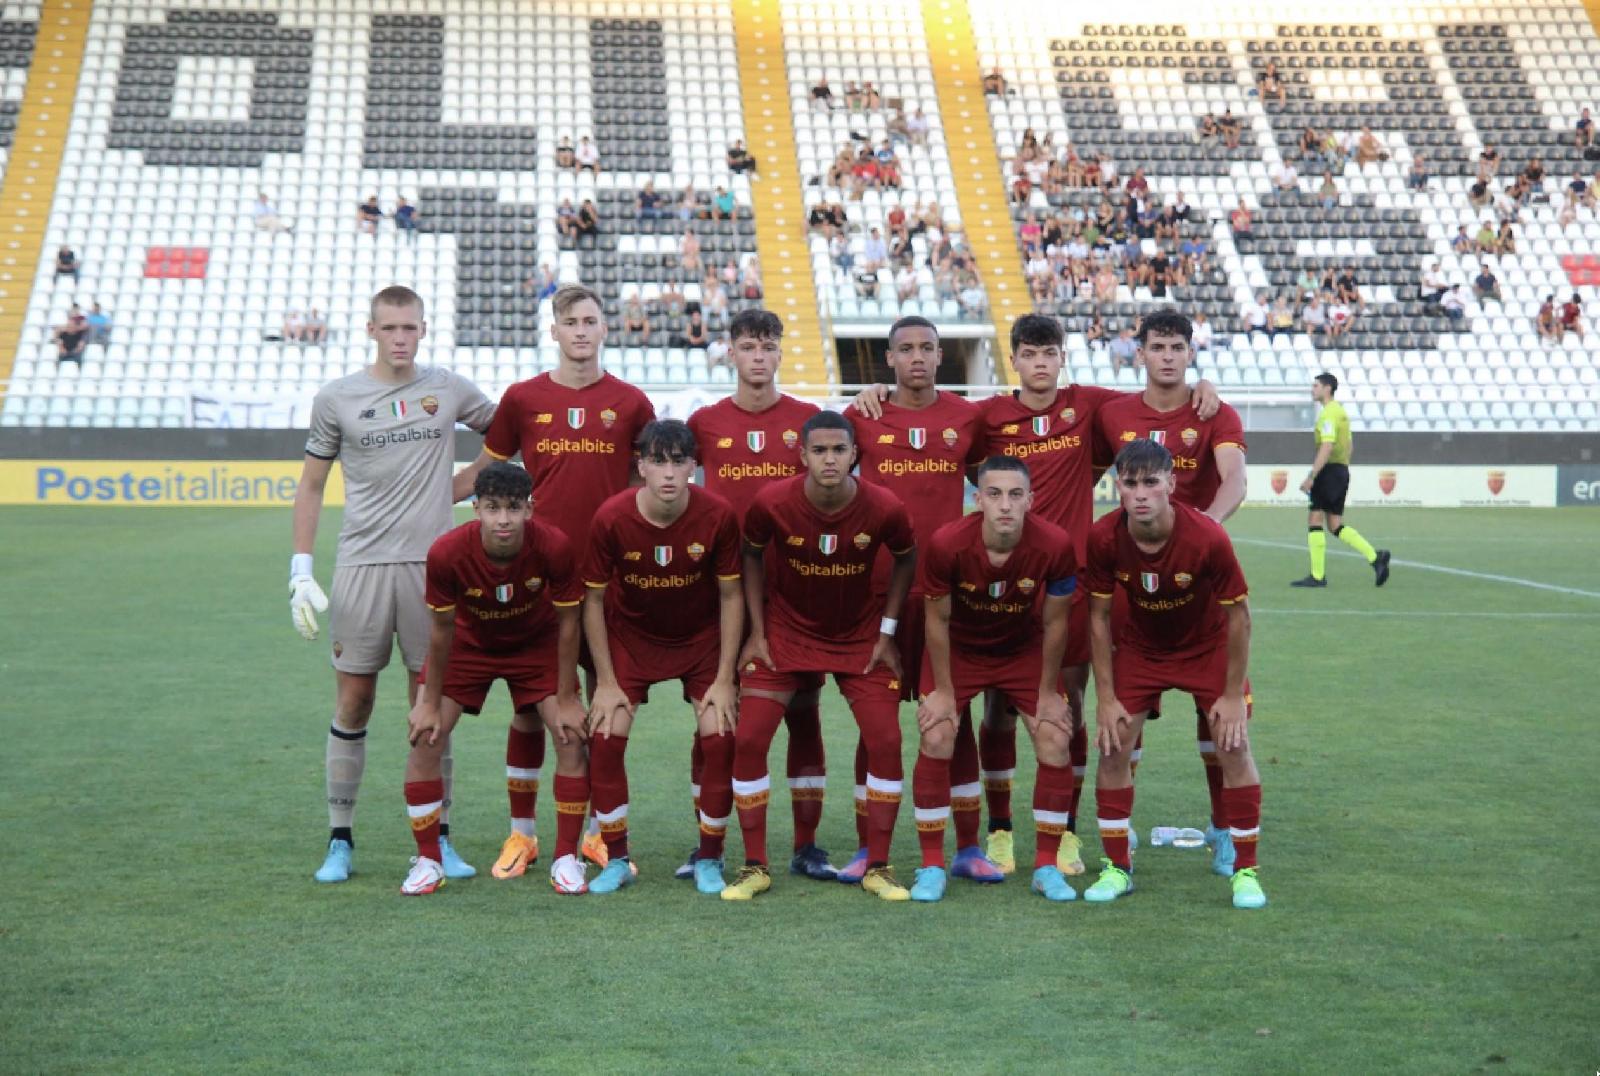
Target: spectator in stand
pixel 1229 125
pixel 1488 163
pixel 724 206
pixel 588 218
pixel 1307 282
pixel 750 285
pixel 1583 132
pixel 689 252
pixel 587 156
pixel 871 98
pixel 994 83
pixel 368 214
pixel 1506 240
pixel 567 219
pixel 1203 332
pixel 99 325
pixel 1272 84
pixel 1280 322
pixel 316 328
pixel 874 254
pixel 1105 283
pixel 714 299
pixel 888 167
pixel 1462 243
pixel 1096 335
pixel 1208 128
pixel 294 326
pixel 1534 174
pixel 1255 315
pixel 740 160
pixel 1484 242
pixel 1478 195
pixel 1485 286
pixel 899 127
pixel 1347 289
pixel 693 333
pixel 1433 285
pixel 822 95
pixel 866 283
pixel 405 219
pixel 1417 176
pixel 635 322
pixel 1369 150
pixel 647 204
pixel 1124 350
pixel 1340 318
pixel 1286 177
pixel 1511 202
pixel 1314 316
pixel 542 284
pixel 905 283
pixel 854 99
pixel 918 125
pixel 1454 303
pixel 839 251
pixel 565 157
pixel 72 337
pixel 67 264
pixel 717 353
pixel 1548 321
pixel 970 295
pixel 1572 317
pixel 1328 193
pixel 1241 220
pixel 267 217
pixel 688 207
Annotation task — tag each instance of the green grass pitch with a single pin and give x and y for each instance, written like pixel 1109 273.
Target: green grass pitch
pixel 1428 751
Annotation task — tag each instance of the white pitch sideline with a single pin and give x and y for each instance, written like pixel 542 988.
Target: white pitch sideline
pixel 1486 576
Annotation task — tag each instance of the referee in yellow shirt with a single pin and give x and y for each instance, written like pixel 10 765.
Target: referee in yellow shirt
pixel 1328 483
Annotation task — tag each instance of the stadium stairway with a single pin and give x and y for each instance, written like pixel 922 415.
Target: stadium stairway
pixel 30 179
pixel 777 196
pixel 980 189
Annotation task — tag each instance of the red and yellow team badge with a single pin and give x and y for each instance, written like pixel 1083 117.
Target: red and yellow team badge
pixel 1025 585
pixel 1183 579
pixel 543 418
pixel 533 582
pixel 1497 482
pixel 1190 435
pixel 724 442
pixel 790 438
pixel 608 418
pixel 950 436
pixel 430 404
pixel 862 540
pixel 1068 415
pixel 695 551
pixel 1280 481
pixel 1386 482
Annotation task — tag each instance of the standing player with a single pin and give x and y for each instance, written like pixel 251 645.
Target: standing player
pixel 1208 457
pixel 1052 430
pixel 575 428
pixel 392 427
pixel 997 585
pixel 919 443
pixel 747 442
pixel 809 620
pixel 1327 485
pixel 504 594
pixel 1187 629
pixel 664 603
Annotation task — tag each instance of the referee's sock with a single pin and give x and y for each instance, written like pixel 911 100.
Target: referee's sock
pixel 1352 538
pixel 1318 541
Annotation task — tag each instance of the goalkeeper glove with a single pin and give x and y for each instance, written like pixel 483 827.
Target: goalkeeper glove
pixel 306 599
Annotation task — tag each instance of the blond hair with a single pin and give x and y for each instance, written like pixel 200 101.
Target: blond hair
pixel 570 295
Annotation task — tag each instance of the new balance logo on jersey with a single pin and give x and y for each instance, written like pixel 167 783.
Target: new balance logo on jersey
pixel 756 439
pixel 917 437
pixel 371 412
pixel 828 543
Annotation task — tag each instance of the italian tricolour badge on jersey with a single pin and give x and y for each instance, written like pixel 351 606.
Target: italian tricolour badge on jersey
pixel 663 555
pixel 917 437
pixel 828 543
pixel 575 417
pixel 1041 425
pixel 1151 581
pixel 997 589
pixel 399 408
pixel 1158 436
pixel 503 592
pixel 756 439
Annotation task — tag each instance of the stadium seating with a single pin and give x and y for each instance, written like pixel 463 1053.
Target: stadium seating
pixel 186 113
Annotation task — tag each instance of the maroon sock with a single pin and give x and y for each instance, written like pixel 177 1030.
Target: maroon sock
pixel 930 796
pixel 966 802
pixel 716 793
pixel 425 804
pixel 608 786
pixel 1114 806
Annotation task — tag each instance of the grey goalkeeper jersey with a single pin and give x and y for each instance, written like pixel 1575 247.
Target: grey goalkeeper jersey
pixel 396 447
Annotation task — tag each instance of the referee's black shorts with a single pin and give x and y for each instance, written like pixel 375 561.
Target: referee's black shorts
pixel 1329 488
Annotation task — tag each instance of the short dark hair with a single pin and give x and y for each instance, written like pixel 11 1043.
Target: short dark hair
pixel 827 420
pixel 397 295
pixel 666 438
pixel 1005 463
pixel 761 324
pixel 912 321
pixel 504 480
pixel 1328 380
pixel 1143 457
pixel 1165 322
pixel 1036 330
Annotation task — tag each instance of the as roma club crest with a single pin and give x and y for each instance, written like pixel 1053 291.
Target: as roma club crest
pixel 790 438
pixel 1280 481
pixel 503 592
pixel 1041 425
pixel 828 543
pixel 430 404
pixel 575 418
pixel 862 540
pixel 1190 436
pixel 756 440
pixel 1497 482
pixel 1386 482
pixel 950 436
pixel 663 555
pixel 1068 415
pixel 608 418
pixel 917 437
pixel 533 582
pixel 1150 581
pixel 695 551
pixel 1025 584
pixel 1183 579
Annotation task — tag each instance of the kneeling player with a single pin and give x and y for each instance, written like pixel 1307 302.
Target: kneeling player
pixel 505 597
pixel 808 621
pixel 664 604
pixel 997 584
pixel 1187 629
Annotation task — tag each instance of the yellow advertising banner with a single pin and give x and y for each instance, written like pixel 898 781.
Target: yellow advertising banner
pixel 159 483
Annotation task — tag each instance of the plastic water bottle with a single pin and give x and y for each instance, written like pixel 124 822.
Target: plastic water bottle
pixel 1161 836
pixel 1177 837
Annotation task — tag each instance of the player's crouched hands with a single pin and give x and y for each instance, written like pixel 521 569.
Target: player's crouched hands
pixel 1228 719
pixel 722 704
pixel 568 724
pixel 1112 723
pixel 934 708
pixel 306 598
pixel 884 653
pixel 755 650
pixel 607 700
pixel 1053 710
pixel 424 722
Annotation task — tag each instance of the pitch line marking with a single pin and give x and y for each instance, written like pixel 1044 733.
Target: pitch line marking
pixel 1426 613
pixel 1487 576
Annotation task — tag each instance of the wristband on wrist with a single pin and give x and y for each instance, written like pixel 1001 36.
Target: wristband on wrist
pixel 299 564
pixel 888 626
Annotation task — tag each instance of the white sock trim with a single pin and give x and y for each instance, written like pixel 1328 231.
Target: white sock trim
pixel 520 774
pixel 932 814
pixel 753 788
pixel 423 810
pixel 880 784
pixel 1052 818
pixel 808 782
pixel 612 816
pixel 972 791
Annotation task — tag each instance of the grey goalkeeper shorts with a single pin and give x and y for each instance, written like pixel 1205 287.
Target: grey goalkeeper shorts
pixel 372 606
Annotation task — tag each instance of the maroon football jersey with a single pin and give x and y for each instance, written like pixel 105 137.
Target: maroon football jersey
pixel 996 611
pixel 502 607
pixel 1193 443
